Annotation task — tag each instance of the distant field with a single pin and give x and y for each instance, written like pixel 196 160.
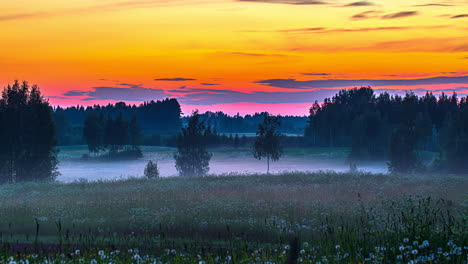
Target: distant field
pixel 248 218
pixel 225 160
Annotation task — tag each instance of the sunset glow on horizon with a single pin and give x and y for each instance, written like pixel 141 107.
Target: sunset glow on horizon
pixel 234 56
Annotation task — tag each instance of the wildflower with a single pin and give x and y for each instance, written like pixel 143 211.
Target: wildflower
pixel 101 253
pixel 77 252
pixel 405 240
pixel 306 244
pixel 415 243
pixel 286 247
pixel 399 257
pixel 201 262
pixel 302 251
pixel 337 247
pixel 401 248
pixel 414 251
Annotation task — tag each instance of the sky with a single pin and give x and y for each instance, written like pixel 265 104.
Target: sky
pixel 234 56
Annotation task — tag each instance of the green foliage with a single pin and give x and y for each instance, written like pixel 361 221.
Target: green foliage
pixel 267 142
pixel 27 150
pixel 151 170
pixel 192 159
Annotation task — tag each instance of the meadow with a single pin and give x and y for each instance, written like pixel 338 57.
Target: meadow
pixel 295 217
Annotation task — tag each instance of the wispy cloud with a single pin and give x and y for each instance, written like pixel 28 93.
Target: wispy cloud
pixel 289 2
pixel 312 84
pixel 366 15
pixel 175 79
pixel 359 3
pixel 432 4
pixel 400 14
pixel 256 54
pixel 459 16
pixel 316 73
pixel 125 94
pixel 112 6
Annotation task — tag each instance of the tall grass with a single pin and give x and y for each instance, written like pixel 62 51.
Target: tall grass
pixel 333 217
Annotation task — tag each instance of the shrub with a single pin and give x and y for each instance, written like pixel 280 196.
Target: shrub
pixel 151 170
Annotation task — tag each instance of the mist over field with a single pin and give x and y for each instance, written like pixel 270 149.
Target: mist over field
pixel 224 161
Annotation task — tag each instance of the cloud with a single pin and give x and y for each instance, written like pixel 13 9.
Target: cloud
pixel 366 15
pixel 22 16
pixel 209 83
pixel 133 93
pixel 114 6
pixel 302 29
pixel 75 93
pixel 359 3
pixel 400 14
pixel 331 83
pixel 256 54
pixel 433 4
pixel 316 73
pixel 289 2
pixel 459 16
pixel 175 79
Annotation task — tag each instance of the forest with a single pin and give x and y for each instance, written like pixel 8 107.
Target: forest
pixel 384 126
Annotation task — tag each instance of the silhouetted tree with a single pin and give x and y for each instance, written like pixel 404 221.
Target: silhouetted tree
pixel 403 143
pixel 151 170
pixel 192 158
pixel 92 133
pixel 134 133
pixel 27 150
pixel 267 142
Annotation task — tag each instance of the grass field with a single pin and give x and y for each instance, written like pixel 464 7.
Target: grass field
pixel 318 217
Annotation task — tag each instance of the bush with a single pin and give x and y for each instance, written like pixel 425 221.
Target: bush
pixel 151 170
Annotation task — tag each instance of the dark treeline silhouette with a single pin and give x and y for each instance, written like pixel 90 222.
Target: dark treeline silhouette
pixel 393 127
pixel 119 137
pixel 155 117
pixel 226 124
pixel 27 134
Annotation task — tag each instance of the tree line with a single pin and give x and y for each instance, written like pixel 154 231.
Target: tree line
pixel 116 136
pixel 393 127
pixel 155 117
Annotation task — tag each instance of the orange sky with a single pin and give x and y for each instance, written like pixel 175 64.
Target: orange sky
pixel 217 54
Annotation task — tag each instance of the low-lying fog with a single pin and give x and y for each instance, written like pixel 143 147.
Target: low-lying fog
pixel 72 167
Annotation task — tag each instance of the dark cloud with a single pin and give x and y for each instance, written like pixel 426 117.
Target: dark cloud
pixel 133 93
pixel 433 4
pixel 400 14
pixel 289 2
pixel 209 84
pixel 75 93
pixel 316 73
pixel 459 16
pixel 366 15
pixel 359 3
pixel 175 79
pixel 295 84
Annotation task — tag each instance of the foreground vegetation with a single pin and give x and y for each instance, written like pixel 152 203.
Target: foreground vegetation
pixel 320 218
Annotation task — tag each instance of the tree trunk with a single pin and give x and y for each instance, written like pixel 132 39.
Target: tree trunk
pixel 268 164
